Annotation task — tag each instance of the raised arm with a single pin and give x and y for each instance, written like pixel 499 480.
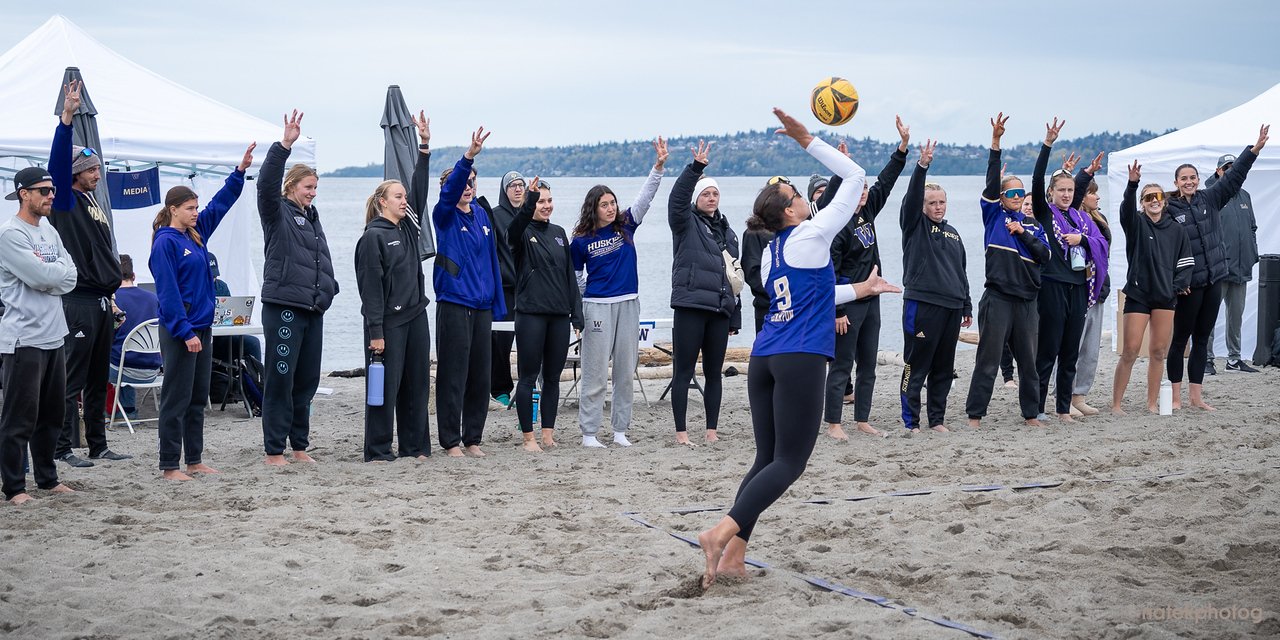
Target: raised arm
pixel 60 152
pixel 912 214
pixel 524 215
pixel 1039 201
pixel 1129 203
pixel 271 175
pixel 679 207
pixel 420 183
pixel 650 187
pixel 878 194
pixel 1225 189
pixel 992 191
pixel 222 201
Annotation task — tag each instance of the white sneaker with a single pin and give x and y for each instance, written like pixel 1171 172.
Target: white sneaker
pixel 591 442
pixel 621 439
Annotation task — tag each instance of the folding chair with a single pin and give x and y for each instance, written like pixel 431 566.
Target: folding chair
pixel 575 359
pixel 145 338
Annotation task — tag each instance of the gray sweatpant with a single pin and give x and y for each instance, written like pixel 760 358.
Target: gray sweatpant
pixel 611 329
pixel 1090 346
pixel 1233 296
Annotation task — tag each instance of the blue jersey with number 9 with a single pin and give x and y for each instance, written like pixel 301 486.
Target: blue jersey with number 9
pixel 802 307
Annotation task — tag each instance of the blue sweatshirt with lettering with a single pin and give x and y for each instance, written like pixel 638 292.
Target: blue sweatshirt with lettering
pixel 466 269
pixel 180 266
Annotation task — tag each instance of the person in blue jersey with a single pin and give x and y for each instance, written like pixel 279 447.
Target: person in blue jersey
pixel 704 290
pixel 468 285
pixel 604 256
pixel 1016 247
pixel 1160 268
pixel 1071 281
pixel 785 380
pixel 548 302
pixel 184 285
pixel 936 297
pixel 853 253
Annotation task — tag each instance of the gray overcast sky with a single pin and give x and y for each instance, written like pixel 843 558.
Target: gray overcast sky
pixel 554 73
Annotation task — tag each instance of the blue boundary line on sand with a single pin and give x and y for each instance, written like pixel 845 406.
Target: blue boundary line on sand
pixel 833 587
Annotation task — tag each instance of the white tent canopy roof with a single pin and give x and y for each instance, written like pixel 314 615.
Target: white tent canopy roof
pixel 142 117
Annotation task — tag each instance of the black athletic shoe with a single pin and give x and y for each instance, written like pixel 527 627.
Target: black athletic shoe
pixel 1209 369
pixel 1239 365
pixel 76 461
pixel 110 455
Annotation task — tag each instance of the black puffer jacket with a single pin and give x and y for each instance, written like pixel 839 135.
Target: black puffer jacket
pixel 1239 235
pixel 298 271
pixel 1201 218
pixel 545 281
pixel 698 280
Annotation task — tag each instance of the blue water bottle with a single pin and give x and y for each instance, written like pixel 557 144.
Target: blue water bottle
pixel 537 396
pixel 375 376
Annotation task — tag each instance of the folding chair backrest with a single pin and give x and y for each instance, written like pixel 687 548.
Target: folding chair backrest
pixel 145 338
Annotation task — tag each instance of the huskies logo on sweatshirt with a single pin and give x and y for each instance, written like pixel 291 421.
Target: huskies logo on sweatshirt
pixel 302 222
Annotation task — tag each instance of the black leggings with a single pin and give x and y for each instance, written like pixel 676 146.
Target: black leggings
pixel 1193 318
pixel 785 392
pixel 542 344
pixel 694 331
pixel 861 344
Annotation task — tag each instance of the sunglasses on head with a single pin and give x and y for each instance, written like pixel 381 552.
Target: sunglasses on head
pixel 777 180
pixel 1060 172
pixel 1014 193
pixel 87 152
pixel 1154 196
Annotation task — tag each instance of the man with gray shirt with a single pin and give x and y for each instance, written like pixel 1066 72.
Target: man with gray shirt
pixel 35 270
pixel 1240 245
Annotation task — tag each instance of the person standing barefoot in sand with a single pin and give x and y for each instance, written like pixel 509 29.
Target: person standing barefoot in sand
pixel 1160 266
pixel 468 286
pixel 786 377
pixel 936 302
pixel 1199 213
pixel 297 288
pixel 184 285
pixel 1007 316
pixel 35 271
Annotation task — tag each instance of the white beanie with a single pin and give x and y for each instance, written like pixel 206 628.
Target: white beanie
pixel 703 185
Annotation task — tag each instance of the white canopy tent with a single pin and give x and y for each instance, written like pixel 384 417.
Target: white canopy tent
pixel 142 119
pixel 1201 144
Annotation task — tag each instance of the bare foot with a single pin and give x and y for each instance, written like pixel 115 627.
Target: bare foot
pixel 1177 404
pixel 174 474
pixel 682 437
pixel 531 446
pixel 914 430
pixel 1117 411
pixel 1066 417
pixel 974 423
pixel 201 468
pixel 1201 404
pixel 1033 422
pixel 1151 408
pixel 711 436
pixel 836 431
pixel 848 399
pixel 1010 384
pixel 940 428
pixel 301 456
pixel 548 438
pixel 733 562
pixel 454 452
pixel 474 451
pixel 21 498
pixel 423 457
pixel 870 430
pixel 712 550
pixel 62 488
pixel 276 461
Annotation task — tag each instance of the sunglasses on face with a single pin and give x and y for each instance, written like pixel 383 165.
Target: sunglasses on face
pixel 43 191
pixel 471 183
pixel 1014 193
pixel 777 180
pixel 1153 197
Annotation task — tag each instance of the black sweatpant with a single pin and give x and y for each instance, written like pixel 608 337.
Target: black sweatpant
pixel 183 396
pixel 1062 308
pixel 861 344
pixel 500 375
pixel 1006 361
pixel 295 342
pixel 785 392
pixel 1193 319
pixel 406 393
pixel 542 344
pixel 1005 321
pixel 929 333
pixel 90 331
pixel 696 331
pixel 35 386
pixel 464 346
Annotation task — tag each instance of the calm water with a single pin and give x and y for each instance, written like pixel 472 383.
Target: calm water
pixel 341 204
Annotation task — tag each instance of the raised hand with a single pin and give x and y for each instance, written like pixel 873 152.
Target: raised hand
pixel 997 126
pixel 1051 131
pixel 1069 162
pixel 904 132
pixel 535 185
pixel 660 150
pixel 477 143
pixel 792 128
pixel 1264 134
pixel 843 147
pixel 247 160
pixel 926 153
pixel 423 123
pixel 1096 164
pixel 1135 172
pixel 701 152
pixel 292 129
pixel 70 100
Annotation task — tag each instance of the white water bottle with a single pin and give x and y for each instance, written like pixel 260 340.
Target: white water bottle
pixel 1166 398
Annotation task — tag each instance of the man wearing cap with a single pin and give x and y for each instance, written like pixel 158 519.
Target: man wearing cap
pixel 1240 245
pixel 35 269
pixel 90 323
pixel 509 201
